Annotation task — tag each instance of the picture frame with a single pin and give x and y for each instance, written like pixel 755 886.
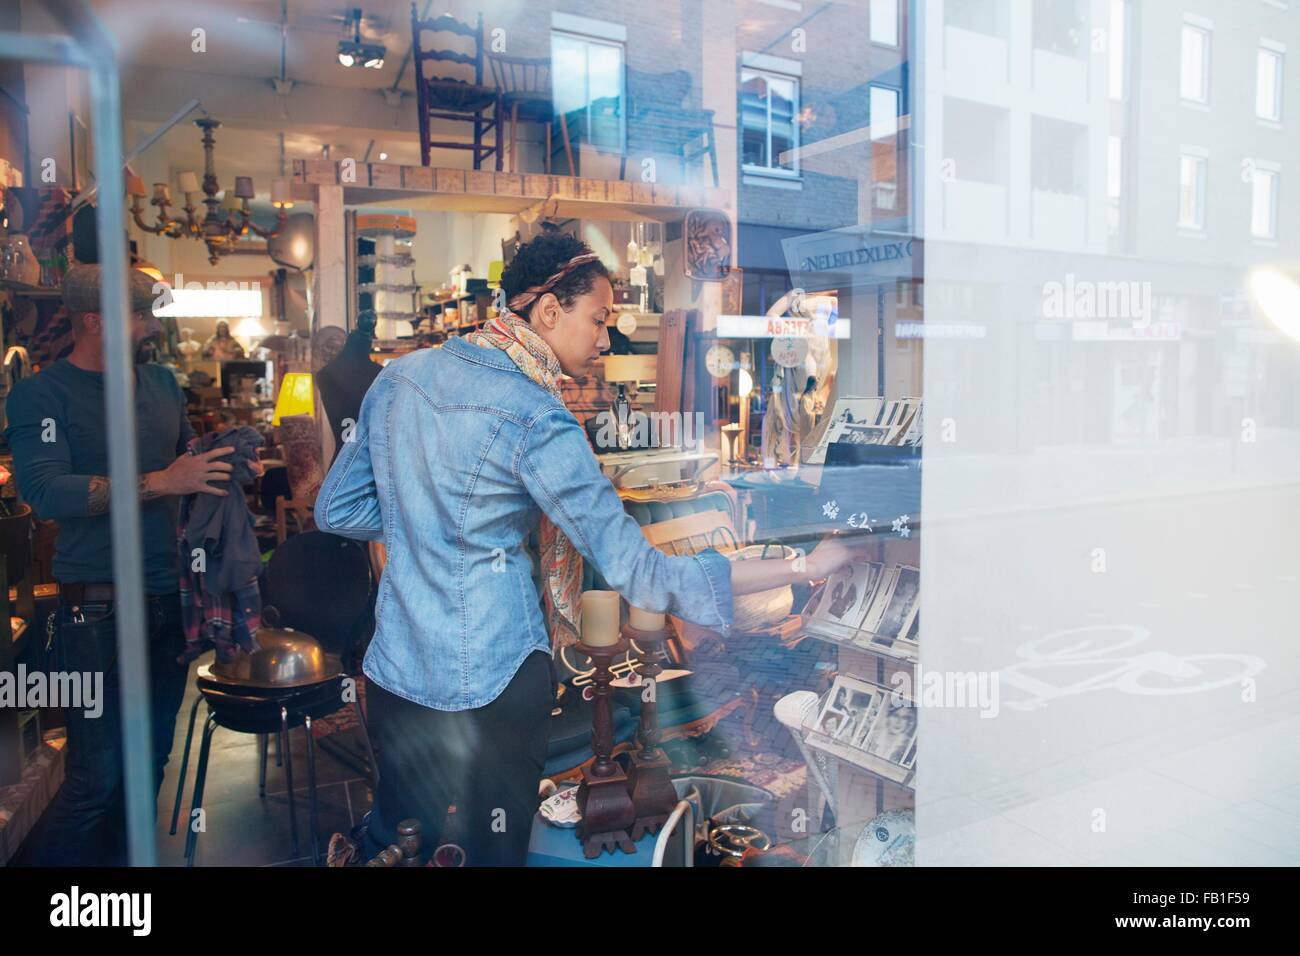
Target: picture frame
pixel 892 735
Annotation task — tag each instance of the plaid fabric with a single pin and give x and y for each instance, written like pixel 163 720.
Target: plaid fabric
pixel 224 621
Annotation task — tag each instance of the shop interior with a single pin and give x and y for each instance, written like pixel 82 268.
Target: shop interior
pixel 753 414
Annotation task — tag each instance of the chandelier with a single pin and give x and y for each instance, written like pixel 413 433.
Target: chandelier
pixel 225 222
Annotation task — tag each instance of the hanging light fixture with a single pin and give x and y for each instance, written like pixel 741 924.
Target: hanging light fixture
pixel 227 220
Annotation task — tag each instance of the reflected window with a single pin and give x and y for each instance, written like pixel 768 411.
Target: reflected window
pixel 588 87
pixel 1268 84
pixel 884 22
pixel 1061 26
pixel 1191 191
pixel 769 103
pixel 1263 203
pixel 1194 83
pixel 1118 43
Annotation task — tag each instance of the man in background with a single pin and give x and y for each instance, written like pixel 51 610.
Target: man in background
pixel 59 437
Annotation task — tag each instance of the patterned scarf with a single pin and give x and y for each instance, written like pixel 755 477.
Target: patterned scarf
pixel 560 561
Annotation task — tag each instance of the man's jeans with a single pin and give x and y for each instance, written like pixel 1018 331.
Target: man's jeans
pixel 86 824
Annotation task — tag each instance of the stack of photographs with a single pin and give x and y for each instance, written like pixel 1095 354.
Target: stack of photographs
pixel 863 722
pixel 868 605
pixel 870 421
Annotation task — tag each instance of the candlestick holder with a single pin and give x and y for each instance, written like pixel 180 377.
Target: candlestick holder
pixel 603 797
pixel 653 795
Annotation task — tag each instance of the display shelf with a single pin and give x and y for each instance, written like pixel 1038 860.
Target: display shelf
pixel 856 757
pixel 30 291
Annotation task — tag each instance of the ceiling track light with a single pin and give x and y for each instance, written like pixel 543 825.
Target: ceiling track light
pixel 354 51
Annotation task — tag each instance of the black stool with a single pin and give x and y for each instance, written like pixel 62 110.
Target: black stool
pixel 262 712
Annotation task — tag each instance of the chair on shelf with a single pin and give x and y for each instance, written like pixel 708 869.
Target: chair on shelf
pixel 525 86
pixel 659 122
pixel 443 97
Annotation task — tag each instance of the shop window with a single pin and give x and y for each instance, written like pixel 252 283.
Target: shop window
pixel 1268 82
pixel 1191 190
pixel 1263 203
pixel 1060 26
pixel 589 87
pixel 769 103
pixel 1194 81
pixel 884 22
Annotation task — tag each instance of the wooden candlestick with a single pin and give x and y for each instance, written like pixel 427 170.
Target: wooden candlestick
pixel 652 790
pixel 603 798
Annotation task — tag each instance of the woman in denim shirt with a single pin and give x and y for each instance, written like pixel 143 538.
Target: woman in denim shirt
pixel 460 452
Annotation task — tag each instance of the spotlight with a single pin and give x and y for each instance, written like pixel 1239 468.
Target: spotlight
pixel 382 156
pixel 353 51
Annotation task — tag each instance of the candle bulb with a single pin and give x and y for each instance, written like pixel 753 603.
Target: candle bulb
pixel 189 183
pixel 280 194
pixel 599 618
pixel 645 620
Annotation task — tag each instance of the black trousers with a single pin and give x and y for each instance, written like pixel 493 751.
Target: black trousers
pixel 86 823
pixel 487 762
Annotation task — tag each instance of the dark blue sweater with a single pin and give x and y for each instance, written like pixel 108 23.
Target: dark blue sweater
pixel 59 438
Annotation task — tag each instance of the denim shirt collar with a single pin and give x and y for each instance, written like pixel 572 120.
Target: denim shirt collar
pixel 480 355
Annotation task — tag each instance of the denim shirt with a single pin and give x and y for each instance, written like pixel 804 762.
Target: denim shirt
pixel 454 458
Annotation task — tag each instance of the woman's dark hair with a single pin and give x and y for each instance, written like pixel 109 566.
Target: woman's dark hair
pixel 543 256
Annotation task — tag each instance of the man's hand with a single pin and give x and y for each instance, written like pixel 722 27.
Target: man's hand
pixel 189 474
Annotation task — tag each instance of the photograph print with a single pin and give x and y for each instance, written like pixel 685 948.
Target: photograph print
pixel 899 607
pixel 848 593
pixel 849 711
pixel 893 736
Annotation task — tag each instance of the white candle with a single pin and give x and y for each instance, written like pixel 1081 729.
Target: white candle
pixel 599 618
pixel 645 620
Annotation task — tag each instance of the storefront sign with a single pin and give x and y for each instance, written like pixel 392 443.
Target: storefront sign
pixel 826 258
pixel 778 326
pixel 1105 332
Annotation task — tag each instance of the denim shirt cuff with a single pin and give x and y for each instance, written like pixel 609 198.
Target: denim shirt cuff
pixel 718 570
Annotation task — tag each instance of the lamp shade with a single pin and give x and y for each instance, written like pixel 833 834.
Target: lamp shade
pixel 244 187
pixel 280 194
pixel 189 182
pixel 630 368
pixel 295 396
pixel 135 186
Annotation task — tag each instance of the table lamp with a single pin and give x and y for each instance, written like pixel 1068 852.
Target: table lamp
pixel 295 396
pixel 619 370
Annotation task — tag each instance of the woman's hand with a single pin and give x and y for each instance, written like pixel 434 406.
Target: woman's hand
pixel 828 557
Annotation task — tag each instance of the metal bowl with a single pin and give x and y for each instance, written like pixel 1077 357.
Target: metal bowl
pixel 284 658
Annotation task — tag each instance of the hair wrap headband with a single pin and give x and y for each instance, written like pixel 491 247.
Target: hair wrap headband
pixel 520 303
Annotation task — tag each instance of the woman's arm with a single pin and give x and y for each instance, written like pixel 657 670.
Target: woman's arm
pixel 748 577
pixel 348 501
pixel 558 468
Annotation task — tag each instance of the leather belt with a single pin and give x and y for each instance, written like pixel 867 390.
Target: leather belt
pixel 77 593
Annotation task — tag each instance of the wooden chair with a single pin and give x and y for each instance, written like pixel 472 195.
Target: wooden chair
pixel 442 97
pixel 525 86
pixel 658 122
pixel 302 512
